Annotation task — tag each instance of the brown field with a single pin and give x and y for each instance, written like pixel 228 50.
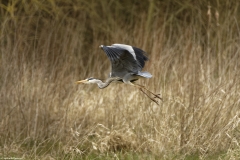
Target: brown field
pixel 194 51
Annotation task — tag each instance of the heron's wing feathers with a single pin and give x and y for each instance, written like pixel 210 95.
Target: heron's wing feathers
pixel 144 74
pixel 141 56
pixel 122 61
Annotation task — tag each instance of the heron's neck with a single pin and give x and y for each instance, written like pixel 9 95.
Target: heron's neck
pixel 102 84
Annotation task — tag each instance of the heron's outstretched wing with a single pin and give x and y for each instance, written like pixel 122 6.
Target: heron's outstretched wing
pixel 125 59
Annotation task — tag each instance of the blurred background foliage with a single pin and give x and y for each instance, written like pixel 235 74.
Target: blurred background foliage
pixel 93 21
pixel 105 17
pixel 46 45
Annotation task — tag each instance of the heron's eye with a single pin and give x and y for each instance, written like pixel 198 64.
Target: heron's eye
pixel 91 78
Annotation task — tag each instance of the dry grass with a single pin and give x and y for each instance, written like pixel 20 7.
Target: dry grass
pixel 194 57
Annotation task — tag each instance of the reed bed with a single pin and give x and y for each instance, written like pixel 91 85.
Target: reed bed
pixel 194 56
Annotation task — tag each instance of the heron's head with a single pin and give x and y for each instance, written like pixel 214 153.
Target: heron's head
pixel 88 81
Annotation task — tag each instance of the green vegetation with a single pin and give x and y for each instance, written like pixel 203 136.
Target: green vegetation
pixel 194 51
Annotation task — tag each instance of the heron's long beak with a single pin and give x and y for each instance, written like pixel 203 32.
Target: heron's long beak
pixel 82 81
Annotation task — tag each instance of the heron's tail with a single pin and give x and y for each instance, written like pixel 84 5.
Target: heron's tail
pixel 144 74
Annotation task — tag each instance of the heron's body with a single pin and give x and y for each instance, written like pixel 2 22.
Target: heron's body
pixel 127 63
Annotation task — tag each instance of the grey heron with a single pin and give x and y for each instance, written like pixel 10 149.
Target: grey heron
pixel 127 63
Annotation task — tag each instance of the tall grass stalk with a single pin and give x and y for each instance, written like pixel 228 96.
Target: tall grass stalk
pixel 46 46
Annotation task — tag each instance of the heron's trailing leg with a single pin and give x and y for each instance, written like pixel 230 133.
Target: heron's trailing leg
pixel 156 95
pixel 141 88
pixel 154 100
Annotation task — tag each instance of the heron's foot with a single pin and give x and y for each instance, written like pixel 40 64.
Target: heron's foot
pixel 154 100
pixel 154 94
pixel 157 96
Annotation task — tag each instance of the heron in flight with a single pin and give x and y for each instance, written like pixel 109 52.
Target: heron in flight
pixel 127 63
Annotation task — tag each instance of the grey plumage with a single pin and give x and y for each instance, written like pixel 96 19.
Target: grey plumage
pixel 126 61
